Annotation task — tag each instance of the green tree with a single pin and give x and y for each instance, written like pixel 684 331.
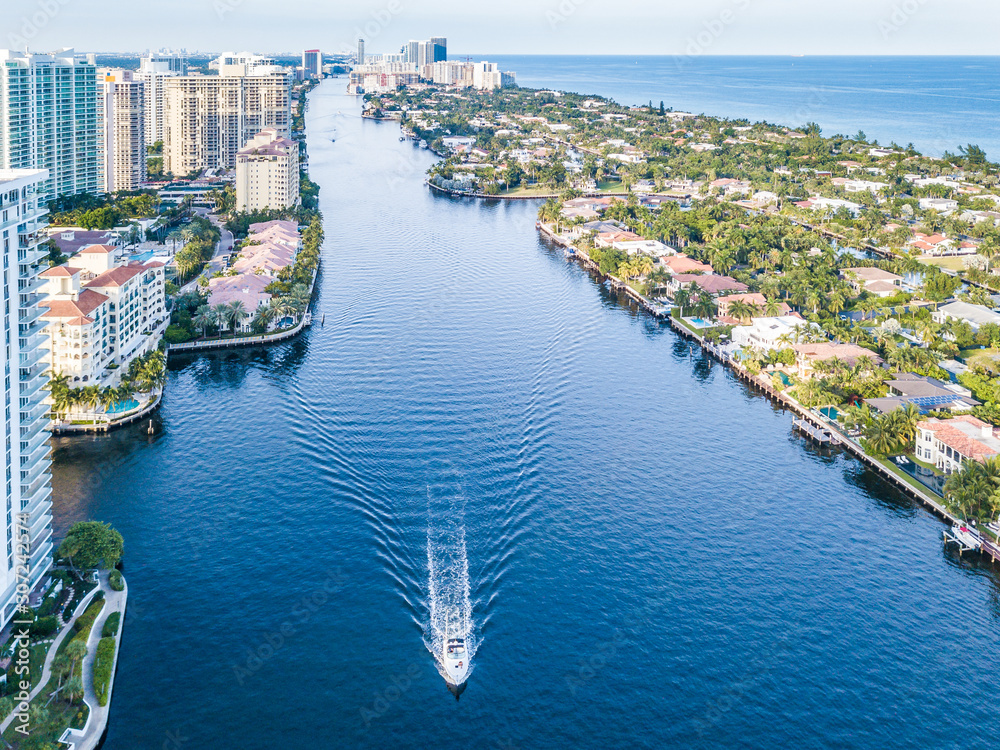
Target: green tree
pixel 89 544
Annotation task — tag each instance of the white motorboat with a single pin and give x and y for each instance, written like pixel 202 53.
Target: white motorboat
pixel 455 658
pixel 965 535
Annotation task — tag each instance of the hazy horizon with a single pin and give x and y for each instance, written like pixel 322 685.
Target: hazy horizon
pixel 718 27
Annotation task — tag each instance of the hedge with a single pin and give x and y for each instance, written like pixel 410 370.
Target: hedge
pixel 111 625
pixel 115 580
pixel 44 626
pixel 104 664
pixel 86 621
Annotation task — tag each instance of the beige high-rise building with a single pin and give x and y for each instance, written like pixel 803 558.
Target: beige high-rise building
pixel 124 137
pixel 153 70
pixel 267 172
pixel 207 119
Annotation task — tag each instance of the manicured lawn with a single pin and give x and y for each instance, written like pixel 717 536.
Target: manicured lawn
pixel 952 263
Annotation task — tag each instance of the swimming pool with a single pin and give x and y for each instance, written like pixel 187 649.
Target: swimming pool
pixel 123 407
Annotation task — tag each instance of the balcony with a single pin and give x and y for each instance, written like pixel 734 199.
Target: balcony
pixel 30 343
pixel 32 431
pixel 30 329
pixel 32 314
pixel 33 473
pixel 38 449
pixel 41 495
pixel 31 358
pixel 32 413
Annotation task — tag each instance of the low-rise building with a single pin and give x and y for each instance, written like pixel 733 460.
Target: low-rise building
pixel 808 355
pixel 770 333
pixel 267 173
pixel 873 280
pixel 949 443
pixel 100 316
pixel 751 298
pixel 975 315
pixel 926 393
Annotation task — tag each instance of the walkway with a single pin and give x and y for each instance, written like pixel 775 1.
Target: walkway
pixel 51 655
pixel 89 737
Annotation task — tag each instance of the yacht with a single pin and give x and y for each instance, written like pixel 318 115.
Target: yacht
pixel 455 658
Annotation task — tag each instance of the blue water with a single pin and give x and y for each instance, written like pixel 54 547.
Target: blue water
pixel 645 553
pixel 936 103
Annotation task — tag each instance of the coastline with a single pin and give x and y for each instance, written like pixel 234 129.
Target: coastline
pixel 759 384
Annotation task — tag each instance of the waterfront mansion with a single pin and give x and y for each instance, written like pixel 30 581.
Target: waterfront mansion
pixel 102 315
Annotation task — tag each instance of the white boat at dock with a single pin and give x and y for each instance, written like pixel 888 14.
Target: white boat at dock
pixel 965 535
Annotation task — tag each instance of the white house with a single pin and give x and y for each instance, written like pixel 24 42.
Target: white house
pixel 941 205
pixel 770 333
pixel 975 315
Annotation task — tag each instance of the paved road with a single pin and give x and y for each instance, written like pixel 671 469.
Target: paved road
pixel 224 247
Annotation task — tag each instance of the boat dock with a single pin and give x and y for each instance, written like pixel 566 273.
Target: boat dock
pixel 818 434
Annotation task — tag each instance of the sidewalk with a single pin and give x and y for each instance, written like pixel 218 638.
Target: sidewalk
pixel 89 737
pixel 51 655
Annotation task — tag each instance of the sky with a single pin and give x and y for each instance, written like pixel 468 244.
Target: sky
pixel 619 27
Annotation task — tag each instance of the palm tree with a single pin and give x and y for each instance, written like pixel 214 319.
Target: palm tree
pixel 74 688
pixel 772 308
pixel 62 398
pixel 262 319
pixel 109 398
pixel 881 436
pixel 76 650
pixel 682 299
pixel 204 319
pixel 221 314
pixel 235 312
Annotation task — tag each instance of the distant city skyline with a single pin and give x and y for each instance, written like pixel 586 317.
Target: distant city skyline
pixel 718 27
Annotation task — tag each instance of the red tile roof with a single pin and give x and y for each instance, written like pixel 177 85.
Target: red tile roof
pixel 86 303
pixel 116 276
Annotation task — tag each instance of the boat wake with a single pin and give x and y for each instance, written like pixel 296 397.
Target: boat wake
pixel 448 588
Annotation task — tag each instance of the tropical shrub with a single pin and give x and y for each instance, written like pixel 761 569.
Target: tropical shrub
pixel 85 621
pixel 44 626
pixel 116 581
pixel 104 663
pixel 110 628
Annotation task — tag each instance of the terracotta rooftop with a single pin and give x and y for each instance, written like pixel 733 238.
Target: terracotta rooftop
pixel 86 303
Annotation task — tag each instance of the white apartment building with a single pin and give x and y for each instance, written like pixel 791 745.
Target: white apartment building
pixel 487 76
pixel 100 314
pixel 27 485
pixel 267 172
pixel 207 119
pixel 50 118
pixel 123 97
pixel 153 70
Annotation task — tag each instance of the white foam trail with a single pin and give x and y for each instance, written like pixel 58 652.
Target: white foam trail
pixel 448 587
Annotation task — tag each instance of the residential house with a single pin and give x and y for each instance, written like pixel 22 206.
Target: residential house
pixel 873 280
pixel 927 394
pixel 949 443
pixel 770 333
pixel 808 355
pixel 975 315
pixel 752 298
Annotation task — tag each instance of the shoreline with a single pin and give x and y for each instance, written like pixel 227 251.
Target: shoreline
pixel 840 439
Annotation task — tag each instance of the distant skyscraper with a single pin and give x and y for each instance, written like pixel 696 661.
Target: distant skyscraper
pixel 411 52
pixel 312 63
pixel 440 45
pixel 50 119
pixel 361 51
pixel 28 488
pixel 123 97
pixel 153 69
